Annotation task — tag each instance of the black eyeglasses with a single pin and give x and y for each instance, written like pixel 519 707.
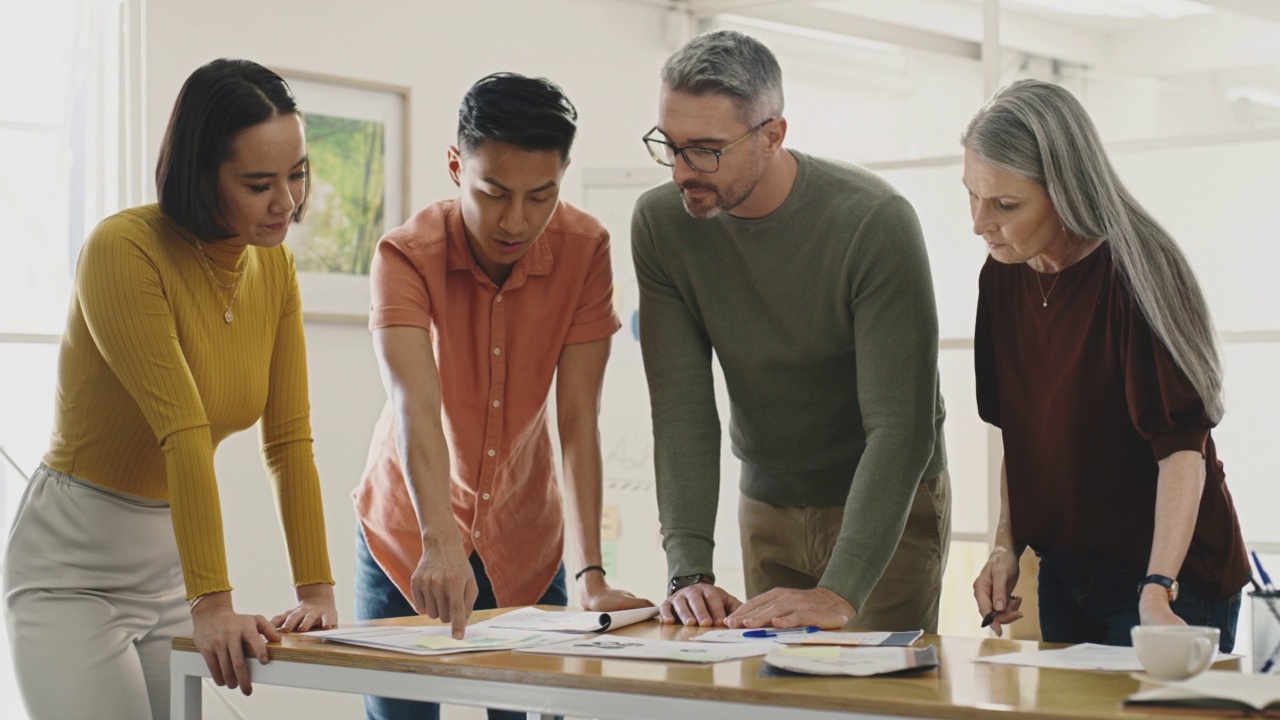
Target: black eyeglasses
pixel 703 160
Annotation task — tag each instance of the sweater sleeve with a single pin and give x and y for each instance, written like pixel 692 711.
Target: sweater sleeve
pixel 686 425
pixel 896 354
pixel 287 445
pixel 127 311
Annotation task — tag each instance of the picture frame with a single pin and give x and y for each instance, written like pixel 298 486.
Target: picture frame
pixel 358 143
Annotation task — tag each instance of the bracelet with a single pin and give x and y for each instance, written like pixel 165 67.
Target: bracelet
pixel 196 600
pixel 578 575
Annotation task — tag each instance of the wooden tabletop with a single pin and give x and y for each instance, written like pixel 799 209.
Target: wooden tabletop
pixel 959 688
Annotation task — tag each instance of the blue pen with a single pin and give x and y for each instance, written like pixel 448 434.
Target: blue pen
pixel 1266 579
pixel 774 632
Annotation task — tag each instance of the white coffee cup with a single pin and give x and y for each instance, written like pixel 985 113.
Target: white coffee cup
pixel 1175 652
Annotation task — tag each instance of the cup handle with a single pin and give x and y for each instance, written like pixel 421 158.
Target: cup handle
pixel 1200 656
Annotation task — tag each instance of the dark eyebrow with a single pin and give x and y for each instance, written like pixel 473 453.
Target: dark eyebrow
pixel 264 175
pixel 547 186
pixel 696 142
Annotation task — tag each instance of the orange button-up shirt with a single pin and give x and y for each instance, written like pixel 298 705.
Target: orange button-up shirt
pixel 497 350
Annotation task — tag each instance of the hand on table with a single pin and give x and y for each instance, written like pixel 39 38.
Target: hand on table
pixel 789 607
pixel 702 604
pixel 316 610
pixel 597 596
pixel 444 587
pixel 993 589
pixel 221 635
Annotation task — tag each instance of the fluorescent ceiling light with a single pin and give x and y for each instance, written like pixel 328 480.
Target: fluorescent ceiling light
pixel 811 34
pixel 1162 9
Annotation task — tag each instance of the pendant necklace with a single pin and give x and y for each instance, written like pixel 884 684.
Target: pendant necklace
pixel 218 287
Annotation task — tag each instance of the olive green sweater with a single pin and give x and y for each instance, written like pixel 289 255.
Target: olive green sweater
pixel 822 317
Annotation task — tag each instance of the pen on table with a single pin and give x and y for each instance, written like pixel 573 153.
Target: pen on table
pixel 1262 573
pixel 771 632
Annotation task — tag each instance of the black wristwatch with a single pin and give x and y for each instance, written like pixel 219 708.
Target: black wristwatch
pixel 1169 584
pixel 685 581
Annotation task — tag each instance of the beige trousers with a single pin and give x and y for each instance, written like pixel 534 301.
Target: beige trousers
pixel 790 547
pixel 93 596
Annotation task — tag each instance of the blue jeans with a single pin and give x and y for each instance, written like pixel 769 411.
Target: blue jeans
pixel 377 598
pixel 1092 598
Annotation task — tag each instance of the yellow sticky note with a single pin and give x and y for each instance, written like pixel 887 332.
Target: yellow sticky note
pixel 442 643
pixel 820 652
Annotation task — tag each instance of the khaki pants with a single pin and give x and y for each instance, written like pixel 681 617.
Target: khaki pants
pixel 93 595
pixel 790 547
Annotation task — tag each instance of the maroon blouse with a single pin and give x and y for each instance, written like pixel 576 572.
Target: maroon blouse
pixel 1088 400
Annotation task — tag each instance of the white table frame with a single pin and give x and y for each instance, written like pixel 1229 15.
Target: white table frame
pixel 187 669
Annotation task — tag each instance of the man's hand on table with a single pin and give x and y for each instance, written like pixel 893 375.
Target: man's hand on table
pixel 788 607
pixel 702 604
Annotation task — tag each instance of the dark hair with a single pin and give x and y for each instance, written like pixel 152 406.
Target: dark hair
pixel 530 113
pixel 219 100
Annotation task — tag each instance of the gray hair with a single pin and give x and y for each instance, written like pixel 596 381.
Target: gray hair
pixel 1041 131
pixel 729 62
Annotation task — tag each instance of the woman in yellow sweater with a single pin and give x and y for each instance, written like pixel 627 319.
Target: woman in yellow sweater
pixel 185 327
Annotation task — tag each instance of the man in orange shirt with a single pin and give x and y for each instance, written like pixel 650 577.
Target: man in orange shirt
pixel 477 303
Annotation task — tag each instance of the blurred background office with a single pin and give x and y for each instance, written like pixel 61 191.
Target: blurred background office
pixel 1186 93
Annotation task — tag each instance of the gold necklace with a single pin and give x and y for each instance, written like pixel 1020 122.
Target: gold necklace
pixel 218 287
pixel 1045 295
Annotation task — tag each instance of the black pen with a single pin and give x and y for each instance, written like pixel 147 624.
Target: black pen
pixel 989 618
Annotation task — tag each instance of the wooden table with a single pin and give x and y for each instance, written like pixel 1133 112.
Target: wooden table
pixel 635 690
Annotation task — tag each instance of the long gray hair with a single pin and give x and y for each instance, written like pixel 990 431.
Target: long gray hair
pixel 1041 131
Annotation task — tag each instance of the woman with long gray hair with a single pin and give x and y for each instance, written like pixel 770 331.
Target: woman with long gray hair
pixel 1095 356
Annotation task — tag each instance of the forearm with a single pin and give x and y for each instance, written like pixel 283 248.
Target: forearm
pixel 583 470
pixel 424 459
pixel 1178 489
pixel 1004 528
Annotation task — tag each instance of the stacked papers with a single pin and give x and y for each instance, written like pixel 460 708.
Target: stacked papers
pixel 435 640
pixel 852 661
pixel 872 639
pixel 536 620
pixel 646 649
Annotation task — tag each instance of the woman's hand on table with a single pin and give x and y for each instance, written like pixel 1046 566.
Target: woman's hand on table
pixel 221 635
pixel 316 610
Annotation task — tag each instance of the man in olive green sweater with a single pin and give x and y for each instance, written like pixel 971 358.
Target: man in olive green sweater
pixel 809 279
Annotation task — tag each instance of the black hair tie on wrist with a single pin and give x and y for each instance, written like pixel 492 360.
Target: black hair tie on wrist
pixel 578 575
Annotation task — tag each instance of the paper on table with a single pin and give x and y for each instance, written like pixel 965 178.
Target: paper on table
pixel 881 639
pixel 1085 656
pixel 645 649
pixel 1215 689
pixel 864 639
pixel 435 640
pixel 567 622
pixel 856 662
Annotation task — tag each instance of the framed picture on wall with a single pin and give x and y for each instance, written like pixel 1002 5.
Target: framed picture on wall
pixel 358 146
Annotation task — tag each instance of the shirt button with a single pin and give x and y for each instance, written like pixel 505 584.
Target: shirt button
pixel 496 403
pixel 492 452
pixel 476 534
pixel 485 496
pixel 497 351
pixel 498 299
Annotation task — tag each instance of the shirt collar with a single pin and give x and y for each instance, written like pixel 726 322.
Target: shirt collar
pixel 538 261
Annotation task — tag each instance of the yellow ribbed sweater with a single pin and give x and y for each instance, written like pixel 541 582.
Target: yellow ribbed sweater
pixel 151 379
